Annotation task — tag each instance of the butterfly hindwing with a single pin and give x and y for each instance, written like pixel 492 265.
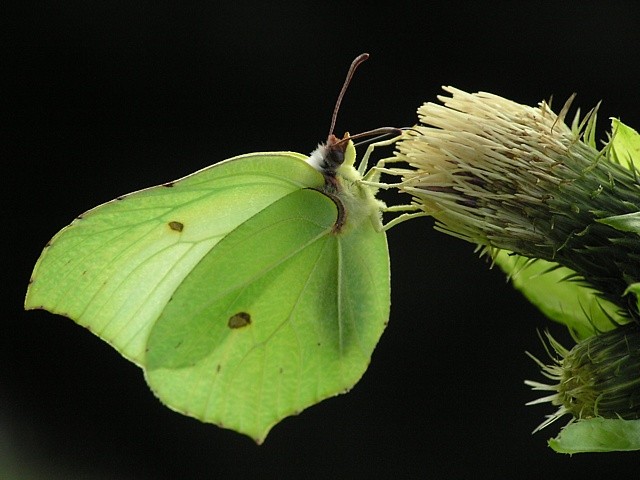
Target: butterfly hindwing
pixel 312 308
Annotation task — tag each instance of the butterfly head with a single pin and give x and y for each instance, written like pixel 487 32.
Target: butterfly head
pixel 330 156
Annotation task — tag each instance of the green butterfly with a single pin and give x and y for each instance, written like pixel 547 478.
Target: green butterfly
pixel 246 291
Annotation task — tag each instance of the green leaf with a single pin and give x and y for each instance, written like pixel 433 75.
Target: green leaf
pixel 247 291
pixel 635 289
pixel 548 286
pixel 625 144
pixel 598 435
pixel 629 222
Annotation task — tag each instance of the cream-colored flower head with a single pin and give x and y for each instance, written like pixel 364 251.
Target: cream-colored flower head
pixel 509 176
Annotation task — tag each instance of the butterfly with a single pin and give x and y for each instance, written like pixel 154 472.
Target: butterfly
pixel 246 291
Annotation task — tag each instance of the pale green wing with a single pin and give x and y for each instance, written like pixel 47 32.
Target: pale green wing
pixel 282 313
pixel 115 267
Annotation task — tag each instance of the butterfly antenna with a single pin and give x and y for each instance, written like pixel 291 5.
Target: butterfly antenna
pixel 355 64
pixel 376 133
pixel 379 133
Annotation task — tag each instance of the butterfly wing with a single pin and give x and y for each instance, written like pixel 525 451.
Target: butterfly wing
pixel 232 288
pixel 293 320
pixel 116 266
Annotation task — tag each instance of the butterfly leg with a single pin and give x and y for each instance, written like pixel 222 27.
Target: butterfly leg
pixel 362 166
pixel 415 210
pixel 371 177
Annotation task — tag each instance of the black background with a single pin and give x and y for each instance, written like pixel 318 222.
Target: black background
pixel 109 97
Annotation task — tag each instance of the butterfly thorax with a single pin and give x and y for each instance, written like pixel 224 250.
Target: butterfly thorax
pixel 356 202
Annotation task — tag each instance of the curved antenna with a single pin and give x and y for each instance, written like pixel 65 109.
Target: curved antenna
pixel 377 132
pixel 355 64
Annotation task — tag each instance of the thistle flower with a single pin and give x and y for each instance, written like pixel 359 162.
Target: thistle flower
pixel 509 176
pixel 513 178
pixel 599 377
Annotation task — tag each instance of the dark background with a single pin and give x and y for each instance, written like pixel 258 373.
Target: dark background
pixel 109 97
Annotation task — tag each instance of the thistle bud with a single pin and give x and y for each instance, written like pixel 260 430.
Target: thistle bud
pixel 599 377
pixel 508 176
